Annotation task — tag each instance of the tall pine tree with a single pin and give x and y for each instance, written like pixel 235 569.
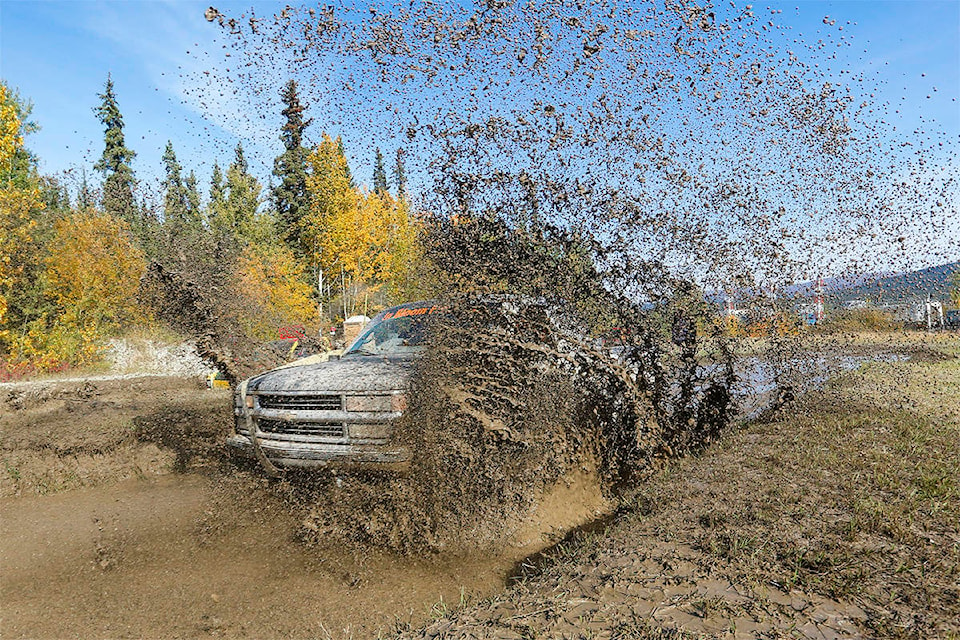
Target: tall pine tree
pixel 290 198
pixel 238 214
pixel 84 194
pixel 115 163
pixel 193 200
pixel 218 194
pixel 55 196
pixel 174 193
pixel 342 151
pixel 379 175
pixel 182 222
pixel 400 175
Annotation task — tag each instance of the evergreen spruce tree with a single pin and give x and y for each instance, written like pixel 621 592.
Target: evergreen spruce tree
pixel 194 215
pixel 174 193
pixel 400 175
pixel 55 196
pixel 148 229
pixel 239 160
pixel 218 197
pixel 115 163
pixel 379 175
pixel 291 200
pixel 343 153
pixel 238 214
pixel 84 195
pixel 217 191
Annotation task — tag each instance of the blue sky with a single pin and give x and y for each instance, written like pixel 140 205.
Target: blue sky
pixel 58 54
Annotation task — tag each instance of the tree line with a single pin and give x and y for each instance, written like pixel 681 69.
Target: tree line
pixel 312 249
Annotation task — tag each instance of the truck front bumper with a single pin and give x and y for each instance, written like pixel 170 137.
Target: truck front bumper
pixel 317 455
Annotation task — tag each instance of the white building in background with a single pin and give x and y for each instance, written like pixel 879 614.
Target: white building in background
pixel 926 313
pixel 856 303
pixel 731 312
pixel 932 314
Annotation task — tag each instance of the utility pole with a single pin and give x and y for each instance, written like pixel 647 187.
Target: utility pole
pixel 818 302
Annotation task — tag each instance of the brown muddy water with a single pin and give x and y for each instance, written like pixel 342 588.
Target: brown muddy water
pixel 199 555
pixel 122 518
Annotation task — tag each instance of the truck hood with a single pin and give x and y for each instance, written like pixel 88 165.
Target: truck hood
pixel 354 373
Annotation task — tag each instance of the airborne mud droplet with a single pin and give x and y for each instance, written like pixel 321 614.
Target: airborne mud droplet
pixel 668 179
pixel 690 268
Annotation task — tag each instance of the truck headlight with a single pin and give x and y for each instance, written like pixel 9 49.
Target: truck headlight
pixel 394 402
pixel 241 399
pixel 370 431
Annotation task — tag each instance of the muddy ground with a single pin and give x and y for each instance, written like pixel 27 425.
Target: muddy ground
pixel 123 516
pixel 836 517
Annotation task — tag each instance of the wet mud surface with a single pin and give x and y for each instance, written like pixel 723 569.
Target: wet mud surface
pixel 192 556
pixel 58 435
pixel 801 525
pixel 123 517
pixel 198 545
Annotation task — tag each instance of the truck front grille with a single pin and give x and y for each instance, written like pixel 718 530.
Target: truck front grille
pixel 325 429
pixel 306 403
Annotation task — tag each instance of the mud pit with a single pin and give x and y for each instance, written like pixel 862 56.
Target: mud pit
pixel 103 545
pixel 122 518
pixel 126 522
pixel 172 557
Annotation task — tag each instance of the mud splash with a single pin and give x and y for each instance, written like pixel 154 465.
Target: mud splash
pixel 633 167
pixel 509 404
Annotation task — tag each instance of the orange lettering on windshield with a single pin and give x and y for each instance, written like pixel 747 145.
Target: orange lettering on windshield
pixel 417 311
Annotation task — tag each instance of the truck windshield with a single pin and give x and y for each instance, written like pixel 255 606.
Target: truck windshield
pixel 404 335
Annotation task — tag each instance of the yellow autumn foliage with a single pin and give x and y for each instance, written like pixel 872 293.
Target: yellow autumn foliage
pixel 405 255
pixel 17 201
pixel 92 276
pixel 332 203
pixel 354 239
pixel 56 345
pixel 358 239
pixel 94 269
pixel 273 285
pixel 10 138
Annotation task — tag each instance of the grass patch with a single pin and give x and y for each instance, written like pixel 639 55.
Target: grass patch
pixel 855 496
pixel 839 514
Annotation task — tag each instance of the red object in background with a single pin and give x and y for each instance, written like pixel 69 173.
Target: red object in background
pixel 295 332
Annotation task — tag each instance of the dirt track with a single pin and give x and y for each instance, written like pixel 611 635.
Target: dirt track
pixel 108 531
pixel 113 527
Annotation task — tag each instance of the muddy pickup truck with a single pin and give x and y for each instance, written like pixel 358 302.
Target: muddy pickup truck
pixel 312 414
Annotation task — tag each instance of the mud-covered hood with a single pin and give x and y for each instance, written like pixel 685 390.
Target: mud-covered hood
pixel 353 373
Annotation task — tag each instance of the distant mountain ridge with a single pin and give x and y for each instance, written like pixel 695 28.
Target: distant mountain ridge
pixel 901 287
pixel 873 288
